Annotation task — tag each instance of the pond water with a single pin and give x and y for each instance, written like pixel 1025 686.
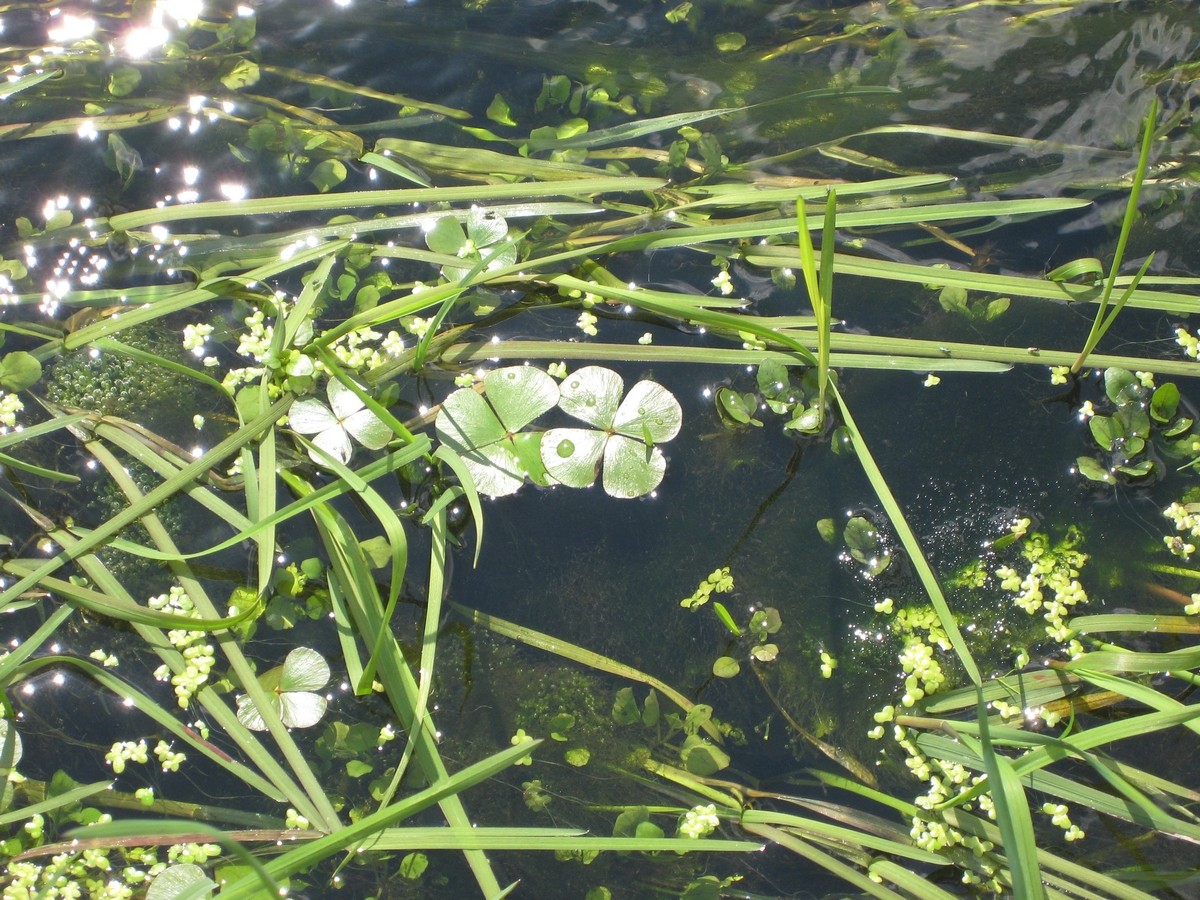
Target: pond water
pixel 158 106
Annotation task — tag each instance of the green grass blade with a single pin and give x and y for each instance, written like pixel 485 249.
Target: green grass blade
pixel 1012 813
pixel 131 829
pixel 307 855
pixel 584 657
pixel 1101 324
pixel 825 860
pixel 58 801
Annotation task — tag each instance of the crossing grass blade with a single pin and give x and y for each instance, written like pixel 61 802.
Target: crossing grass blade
pixel 1104 317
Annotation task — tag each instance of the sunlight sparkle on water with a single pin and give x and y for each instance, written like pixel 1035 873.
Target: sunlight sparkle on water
pixel 232 191
pixel 67 28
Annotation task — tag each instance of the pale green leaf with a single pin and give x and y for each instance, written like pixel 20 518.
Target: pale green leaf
pixel 726 667
pixel 19 370
pixel 649 408
pixel 174 880
pixel 631 469
pixel 572 455
pixel 519 394
pixel 591 394
pixel 304 669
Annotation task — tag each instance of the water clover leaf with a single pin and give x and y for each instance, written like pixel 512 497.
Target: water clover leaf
pixel 290 687
pixel 627 436
pixel 334 425
pixel 484 430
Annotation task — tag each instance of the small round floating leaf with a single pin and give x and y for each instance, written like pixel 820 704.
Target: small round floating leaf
pixel 413 865
pixel 702 758
pixel 765 652
pixel 729 41
pixel 592 394
pixel 861 538
pixel 578 757
pixel 1140 469
pixel 1121 385
pixel 807 421
pixel 19 370
pixel 647 831
pixel 631 468
pixel 733 406
pixel 446 236
pixel 827 529
pixel 328 174
pixel 726 667
pixel 649 408
pixel 583 450
pixel 1134 419
pixel 1179 427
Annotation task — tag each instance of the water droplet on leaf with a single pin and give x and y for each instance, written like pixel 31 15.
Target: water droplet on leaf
pixel 565 448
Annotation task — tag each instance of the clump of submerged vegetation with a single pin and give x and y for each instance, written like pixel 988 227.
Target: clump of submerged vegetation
pixel 342 396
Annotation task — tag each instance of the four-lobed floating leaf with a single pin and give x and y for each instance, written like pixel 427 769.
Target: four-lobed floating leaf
pixel 332 426
pixel 485 430
pixel 290 688
pixel 624 439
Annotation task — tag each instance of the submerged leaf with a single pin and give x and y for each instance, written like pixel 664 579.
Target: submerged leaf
pixel 1091 469
pixel 726 667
